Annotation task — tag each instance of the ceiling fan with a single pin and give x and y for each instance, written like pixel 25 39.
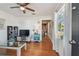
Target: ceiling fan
pixel 23 7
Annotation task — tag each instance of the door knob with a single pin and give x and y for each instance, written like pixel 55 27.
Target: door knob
pixel 72 42
pixel 74 7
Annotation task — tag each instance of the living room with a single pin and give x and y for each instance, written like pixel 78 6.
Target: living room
pixel 31 21
pixel 50 41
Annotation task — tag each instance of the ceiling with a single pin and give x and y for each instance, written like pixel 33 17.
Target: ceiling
pixel 40 9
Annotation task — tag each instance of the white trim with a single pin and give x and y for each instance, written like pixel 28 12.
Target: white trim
pixel 68 33
pixel 71 22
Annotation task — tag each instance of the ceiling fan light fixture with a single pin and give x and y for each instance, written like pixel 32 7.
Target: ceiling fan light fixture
pixel 22 8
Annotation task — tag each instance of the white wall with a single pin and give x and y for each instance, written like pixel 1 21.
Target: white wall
pixel 55 30
pixel 50 29
pixel 9 21
pixel 31 22
pixel 21 22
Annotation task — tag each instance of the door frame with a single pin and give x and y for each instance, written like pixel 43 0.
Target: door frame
pixel 68 20
pixel 71 25
pixel 47 21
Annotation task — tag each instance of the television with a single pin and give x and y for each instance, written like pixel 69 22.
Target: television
pixel 24 33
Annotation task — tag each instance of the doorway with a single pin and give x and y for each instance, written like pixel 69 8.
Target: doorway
pixel 46 28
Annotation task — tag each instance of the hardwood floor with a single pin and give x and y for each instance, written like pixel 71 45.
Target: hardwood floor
pixel 43 48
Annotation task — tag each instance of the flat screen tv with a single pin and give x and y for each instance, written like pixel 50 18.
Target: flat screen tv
pixel 24 33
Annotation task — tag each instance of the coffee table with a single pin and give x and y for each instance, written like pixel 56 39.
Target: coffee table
pixel 18 48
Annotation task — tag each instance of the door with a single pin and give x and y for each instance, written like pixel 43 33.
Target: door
pixel 75 29
pixel 44 28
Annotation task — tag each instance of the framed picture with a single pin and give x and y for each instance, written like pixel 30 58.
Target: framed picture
pixel 60 24
pixel 2 23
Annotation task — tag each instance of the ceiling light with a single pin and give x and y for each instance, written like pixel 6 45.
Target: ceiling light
pixel 22 8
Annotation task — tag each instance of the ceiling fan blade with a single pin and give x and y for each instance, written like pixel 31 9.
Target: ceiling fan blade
pixel 15 7
pixel 30 9
pixel 23 4
pixel 24 11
